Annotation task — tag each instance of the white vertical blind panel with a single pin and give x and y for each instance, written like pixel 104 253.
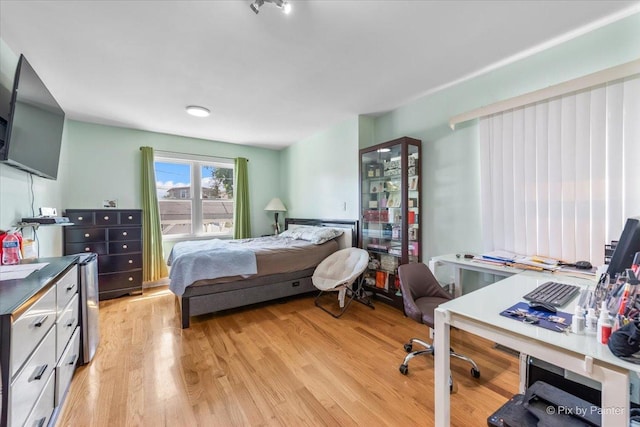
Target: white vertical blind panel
pixel 542 176
pixel 568 169
pixel 499 159
pixel 486 193
pixel 507 181
pixel 582 240
pixel 530 182
pixel 555 178
pixel 615 171
pixel 518 183
pixel 598 196
pixel 631 141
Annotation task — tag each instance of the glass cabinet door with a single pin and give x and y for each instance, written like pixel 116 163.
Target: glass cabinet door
pixel 389 206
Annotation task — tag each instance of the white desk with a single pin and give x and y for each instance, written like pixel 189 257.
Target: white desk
pixel 462 263
pixel 478 313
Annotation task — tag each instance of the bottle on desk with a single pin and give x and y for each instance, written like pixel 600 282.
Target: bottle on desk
pixel 591 322
pixel 10 249
pixel 604 324
pixel 577 321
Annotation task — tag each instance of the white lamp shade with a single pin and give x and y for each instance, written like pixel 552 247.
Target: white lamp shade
pixel 275 205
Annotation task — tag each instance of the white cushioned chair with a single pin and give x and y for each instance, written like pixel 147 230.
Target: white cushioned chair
pixel 338 273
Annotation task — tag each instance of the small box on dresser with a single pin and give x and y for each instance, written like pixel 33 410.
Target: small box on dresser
pixel 115 235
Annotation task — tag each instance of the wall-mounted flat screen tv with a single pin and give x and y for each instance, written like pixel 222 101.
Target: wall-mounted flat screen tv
pixel 34 125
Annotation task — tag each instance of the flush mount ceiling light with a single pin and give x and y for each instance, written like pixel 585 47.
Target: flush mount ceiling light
pixel 282 4
pixel 198 111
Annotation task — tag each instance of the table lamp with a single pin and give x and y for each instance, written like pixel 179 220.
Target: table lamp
pixel 276 206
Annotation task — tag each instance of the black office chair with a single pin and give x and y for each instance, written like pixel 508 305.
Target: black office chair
pixel 421 294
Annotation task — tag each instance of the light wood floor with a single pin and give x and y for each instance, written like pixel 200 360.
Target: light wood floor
pixel 277 364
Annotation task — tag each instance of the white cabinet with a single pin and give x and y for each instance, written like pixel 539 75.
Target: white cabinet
pixel 39 342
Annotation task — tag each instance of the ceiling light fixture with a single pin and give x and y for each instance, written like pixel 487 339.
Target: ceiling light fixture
pixel 282 4
pixel 198 111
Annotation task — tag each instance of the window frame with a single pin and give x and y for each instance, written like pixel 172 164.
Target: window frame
pixel 196 163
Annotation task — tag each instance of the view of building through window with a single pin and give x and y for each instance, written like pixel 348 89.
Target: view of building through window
pixel 195 197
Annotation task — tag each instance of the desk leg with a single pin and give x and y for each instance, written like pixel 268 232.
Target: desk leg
pixel 615 400
pixel 442 369
pixel 457 280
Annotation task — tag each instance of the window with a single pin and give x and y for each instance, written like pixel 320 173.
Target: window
pixel 195 195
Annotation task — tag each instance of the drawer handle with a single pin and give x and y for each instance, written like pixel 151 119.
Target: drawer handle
pixel 71 323
pixel 130 217
pixel 124 233
pixel 124 246
pixel 40 372
pixel 106 218
pixel 87 249
pixel 130 261
pixel 40 321
pixel 70 287
pixel 80 218
pixel 130 279
pixel 87 235
pixel 73 360
pixel 41 422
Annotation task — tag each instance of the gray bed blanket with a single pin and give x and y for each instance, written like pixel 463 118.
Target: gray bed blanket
pixel 208 259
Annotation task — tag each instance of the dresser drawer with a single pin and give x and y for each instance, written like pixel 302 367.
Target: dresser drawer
pixel 124 233
pixel 67 323
pixel 131 217
pixel 66 288
pixel 66 366
pixel 29 329
pixel 125 247
pixel 31 380
pixel 84 235
pixel 43 409
pixel 106 218
pixel 124 262
pixel 76 248
pixel 81 217
pixel 123 280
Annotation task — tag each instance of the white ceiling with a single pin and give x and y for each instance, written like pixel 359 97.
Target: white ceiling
pixel 271 79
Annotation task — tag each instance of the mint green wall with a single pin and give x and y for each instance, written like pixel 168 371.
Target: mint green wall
pixel 103 162
pixel 320 174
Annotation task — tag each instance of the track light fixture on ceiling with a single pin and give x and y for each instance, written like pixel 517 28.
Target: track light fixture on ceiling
pixel 282 4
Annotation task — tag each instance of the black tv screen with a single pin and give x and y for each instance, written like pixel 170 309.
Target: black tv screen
pixel 626 248
pixel 34 125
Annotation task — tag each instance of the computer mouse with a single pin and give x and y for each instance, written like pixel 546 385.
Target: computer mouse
pixel 585 265
pixel 542 306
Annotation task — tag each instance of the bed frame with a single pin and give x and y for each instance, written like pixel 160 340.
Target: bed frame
pixel 206 299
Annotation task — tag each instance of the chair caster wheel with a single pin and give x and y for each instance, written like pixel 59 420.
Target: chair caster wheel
pixel 404 369
pixel 475 373
pixel 408 347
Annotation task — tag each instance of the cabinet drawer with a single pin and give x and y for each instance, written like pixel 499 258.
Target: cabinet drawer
pixel 66 288
pixel 81 217
pixel 106 218
pixel 67 323
pixel 43 409
pixel 28 329
pixel 125 247
pixel 67 366
pixel 131 217
pixel 76 248
pixel 123 280
pixel 114 263
pixel 124 233
pixel 32 378
pixel 84 235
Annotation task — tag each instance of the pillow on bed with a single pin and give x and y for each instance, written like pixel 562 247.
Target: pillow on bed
pixel 316 235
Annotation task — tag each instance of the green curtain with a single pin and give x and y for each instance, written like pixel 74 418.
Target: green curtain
pixel 241 214
pixel 153 265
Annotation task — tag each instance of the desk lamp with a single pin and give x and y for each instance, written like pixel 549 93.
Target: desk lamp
pixel 276 206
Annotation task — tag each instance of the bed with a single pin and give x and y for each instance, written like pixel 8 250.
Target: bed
pixel 278 273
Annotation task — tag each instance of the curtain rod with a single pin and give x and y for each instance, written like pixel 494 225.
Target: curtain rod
pixel 192 154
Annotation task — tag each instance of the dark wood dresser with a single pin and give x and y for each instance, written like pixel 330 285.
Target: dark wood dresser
pixel 116 236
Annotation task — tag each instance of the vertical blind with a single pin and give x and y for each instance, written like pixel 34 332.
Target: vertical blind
pixel 561 176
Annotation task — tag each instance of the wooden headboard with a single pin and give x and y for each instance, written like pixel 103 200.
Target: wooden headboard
pixel 348 239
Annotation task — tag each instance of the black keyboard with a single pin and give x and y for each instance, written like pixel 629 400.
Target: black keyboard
pixel 554 293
